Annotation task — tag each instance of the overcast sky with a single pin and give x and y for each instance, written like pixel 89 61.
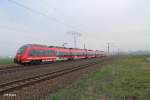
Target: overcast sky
pixel 123 23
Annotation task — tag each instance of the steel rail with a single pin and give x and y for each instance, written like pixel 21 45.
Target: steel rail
pixel 11 69
pixel 17 84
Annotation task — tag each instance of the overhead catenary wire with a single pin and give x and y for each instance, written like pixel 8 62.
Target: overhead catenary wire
pixel 43 14
pixel 37 12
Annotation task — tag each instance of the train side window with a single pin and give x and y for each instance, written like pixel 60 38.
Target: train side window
pixel 48 53
pixel 61 54
pixel 40 53
pixel 36 53
pixel 32 53
pixel 64 53
pixel 53 52
pixel 44 52
pixel 57 53
pixel 74 53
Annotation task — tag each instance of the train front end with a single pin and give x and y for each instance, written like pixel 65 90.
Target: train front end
pixel 21 56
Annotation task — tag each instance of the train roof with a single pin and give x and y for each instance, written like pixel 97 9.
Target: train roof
pixel 39 45
pixel 65 47
pixel 57 47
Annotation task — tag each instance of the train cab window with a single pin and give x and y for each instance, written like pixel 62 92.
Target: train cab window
pixel 22 49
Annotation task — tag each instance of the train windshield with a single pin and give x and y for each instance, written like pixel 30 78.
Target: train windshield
pixel 21 50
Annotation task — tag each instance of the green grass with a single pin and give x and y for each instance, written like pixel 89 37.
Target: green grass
pixel 5 61
pixel 124 79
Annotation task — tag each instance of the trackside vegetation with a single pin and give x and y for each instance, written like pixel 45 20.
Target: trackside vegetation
pixel 5 61
pixel 124 79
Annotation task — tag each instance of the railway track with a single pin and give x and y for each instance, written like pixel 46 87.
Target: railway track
pixel 24 82
pixel 15 68
pixel 40 69
pixel 10 68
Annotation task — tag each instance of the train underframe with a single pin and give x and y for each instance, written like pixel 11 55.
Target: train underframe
pixel 39 61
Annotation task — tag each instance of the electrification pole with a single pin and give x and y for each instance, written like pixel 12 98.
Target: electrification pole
pixel 108 47
pixel 63 45
pixel 75 34
pixel 84 46
pixel 118 51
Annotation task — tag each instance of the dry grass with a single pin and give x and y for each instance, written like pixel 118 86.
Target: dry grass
pixel 124 79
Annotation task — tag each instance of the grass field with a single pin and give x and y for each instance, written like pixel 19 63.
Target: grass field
pixel 125 79
pixel 5 61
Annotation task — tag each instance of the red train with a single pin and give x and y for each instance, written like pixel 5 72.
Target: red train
pixel 35 54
